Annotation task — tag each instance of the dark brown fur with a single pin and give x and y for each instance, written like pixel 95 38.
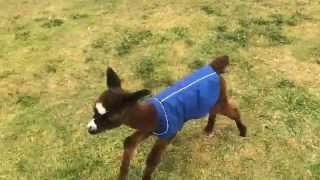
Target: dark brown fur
pixel 220 64
pixel 142 117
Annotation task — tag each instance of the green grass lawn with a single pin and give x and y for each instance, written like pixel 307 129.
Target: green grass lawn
pixel 53 55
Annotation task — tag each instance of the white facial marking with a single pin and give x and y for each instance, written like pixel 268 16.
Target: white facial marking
pixel 101 109
pixel 92 125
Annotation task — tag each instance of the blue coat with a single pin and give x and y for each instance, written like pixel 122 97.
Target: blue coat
pixel 190 98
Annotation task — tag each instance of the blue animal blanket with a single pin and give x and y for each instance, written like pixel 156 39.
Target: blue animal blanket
pixel 189 98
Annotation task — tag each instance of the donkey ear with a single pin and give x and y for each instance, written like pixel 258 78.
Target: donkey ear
pixel 113 79
pixel 137 95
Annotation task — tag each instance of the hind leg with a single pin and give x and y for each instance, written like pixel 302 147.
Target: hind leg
pixel 211 121
pixel 232 112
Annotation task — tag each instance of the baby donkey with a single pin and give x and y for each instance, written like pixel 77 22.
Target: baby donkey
pixel 201 93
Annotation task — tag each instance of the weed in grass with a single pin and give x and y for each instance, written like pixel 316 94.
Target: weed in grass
pixel 207 9
pixel 6 74
pixel 102 43
pixel 145 68
pixel 292 21
pixel 149 70
pixel 40 19
pixel 158 80
pixel 51 68
pixel 99 48
pixel 22 166
pixel 273 32
pixel 162 39
pixel 88 59
pixel 239 36
pixel 270 27
pixel 295 99
pixel 174 34
pixel 22 35
pixel 145 17
pixel 221 28
pixel 259 21
pixel 79 163
pixel 210 11
pixel 53 65
pixel 307 50
pixel 196 64
pixel 52 23
pixel 207 48
pixel 27 100
pixel 180 32
pixel 164 79
pixel 76 167
pixel 280 20
pixel 220 43
pixel 315 169
pixel 99 43
pixel 20 27
pixel 285 84
pixel 79 16
pixel 132 39
pixel 276 19
pixel 189 42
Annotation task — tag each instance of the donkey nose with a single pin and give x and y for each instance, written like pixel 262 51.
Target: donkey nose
pixel 92 127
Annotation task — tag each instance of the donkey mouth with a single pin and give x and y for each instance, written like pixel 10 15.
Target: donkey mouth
pixel 92 132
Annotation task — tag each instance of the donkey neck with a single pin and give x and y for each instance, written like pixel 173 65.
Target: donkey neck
pixel 142 116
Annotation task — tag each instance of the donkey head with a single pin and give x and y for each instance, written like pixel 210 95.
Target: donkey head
pixel 111 106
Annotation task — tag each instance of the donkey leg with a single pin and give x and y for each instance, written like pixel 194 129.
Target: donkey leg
pixel 130 145
pixel 232 112
pixel 154 157
pixel 211 121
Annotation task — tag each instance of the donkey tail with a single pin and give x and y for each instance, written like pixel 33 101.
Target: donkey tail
pixel 220 64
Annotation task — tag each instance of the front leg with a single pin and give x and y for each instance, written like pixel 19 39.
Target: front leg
pixel 154 157
pixel 130 145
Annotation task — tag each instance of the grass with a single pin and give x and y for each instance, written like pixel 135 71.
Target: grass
pixel 53 57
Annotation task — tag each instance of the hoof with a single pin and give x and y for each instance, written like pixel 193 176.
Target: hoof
pixel 243 135
pixel 243 132
pixel 208 131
